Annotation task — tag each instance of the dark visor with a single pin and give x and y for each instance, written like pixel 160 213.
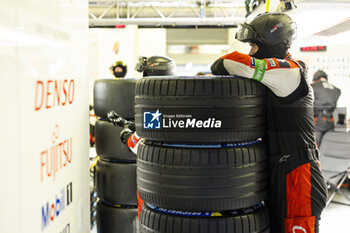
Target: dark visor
pixel 246 33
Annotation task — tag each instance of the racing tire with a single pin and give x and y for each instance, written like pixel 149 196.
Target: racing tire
pixel 114 94
pixel 109 145
pixel 199 110
pixel 159 220
pixel 202 179
pixel 116 182
pixel 114 219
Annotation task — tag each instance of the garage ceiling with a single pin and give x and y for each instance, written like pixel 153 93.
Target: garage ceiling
pixel 168 13
pixel 322 18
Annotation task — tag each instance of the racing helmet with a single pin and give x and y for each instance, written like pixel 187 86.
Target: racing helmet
pixel 269 29
pixel 156 66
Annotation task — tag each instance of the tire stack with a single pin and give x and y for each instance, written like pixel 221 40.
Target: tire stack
pixel 200 168
pixel 116 165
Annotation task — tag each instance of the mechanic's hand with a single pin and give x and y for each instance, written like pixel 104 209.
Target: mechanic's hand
pixel 117 120
pixel 125 134
pixel 133 142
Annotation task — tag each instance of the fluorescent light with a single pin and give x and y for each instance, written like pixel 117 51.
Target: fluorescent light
pixel 177 49
pixel 213 49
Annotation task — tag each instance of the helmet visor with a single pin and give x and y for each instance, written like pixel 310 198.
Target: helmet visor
pixel 246 33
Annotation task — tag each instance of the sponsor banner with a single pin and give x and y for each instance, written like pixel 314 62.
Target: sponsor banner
pixel 47 116
pixel 157 120
pixel 51 210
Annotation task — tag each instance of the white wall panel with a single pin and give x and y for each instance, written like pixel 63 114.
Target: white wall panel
pixel 133 42
pixel 44 101
pixel 151 42
pixel 9 143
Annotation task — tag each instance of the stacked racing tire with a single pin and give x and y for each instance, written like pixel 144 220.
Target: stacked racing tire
pixel 116 164
pixel 201 167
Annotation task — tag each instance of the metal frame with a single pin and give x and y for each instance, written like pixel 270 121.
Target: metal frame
pixel 336 188
pixel 166 12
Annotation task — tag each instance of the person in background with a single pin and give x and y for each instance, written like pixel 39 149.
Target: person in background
pixel 156 66
pixel 326 96
pixel 119 69
pixel 297 189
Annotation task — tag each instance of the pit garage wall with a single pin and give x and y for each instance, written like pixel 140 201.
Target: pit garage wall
pixel 336 63
pixel 134 42
pixel 44 173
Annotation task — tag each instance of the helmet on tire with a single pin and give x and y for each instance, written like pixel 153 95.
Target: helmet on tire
pixel 156 66
pixel 275 31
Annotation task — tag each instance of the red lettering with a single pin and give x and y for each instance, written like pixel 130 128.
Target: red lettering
pixel 68 153
pixel 53 154
pixel 71 154
pixel 42 164
pixel 48 93
pixel 52 212
pixel 65 154
pixel 48 162
pixel 57 93
pixel 61 148
pixel 53 158
pixel 36 106
pixel 65 92
pixel 71 91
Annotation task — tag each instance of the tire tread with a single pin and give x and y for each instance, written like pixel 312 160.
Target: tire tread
pixel 168 223
pixel 160 168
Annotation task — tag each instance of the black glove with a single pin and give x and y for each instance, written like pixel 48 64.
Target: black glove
pixel 120 121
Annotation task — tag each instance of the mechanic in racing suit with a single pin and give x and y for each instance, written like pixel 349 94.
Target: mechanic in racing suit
pixel 297 190
pixel 152 66
pixel 326 96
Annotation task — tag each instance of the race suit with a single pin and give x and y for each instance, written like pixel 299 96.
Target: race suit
pixel 325 102
pixel 297 190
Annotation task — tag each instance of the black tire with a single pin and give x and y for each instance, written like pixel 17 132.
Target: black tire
pixel 212 109
pixel 108 143
pixel 202 179
pixel 251 220
pixel 116 183
pixel 114 94
pixel 112 219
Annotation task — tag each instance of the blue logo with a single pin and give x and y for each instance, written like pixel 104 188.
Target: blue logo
pixel 151 120
pixel 252 62
pixel 51 210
